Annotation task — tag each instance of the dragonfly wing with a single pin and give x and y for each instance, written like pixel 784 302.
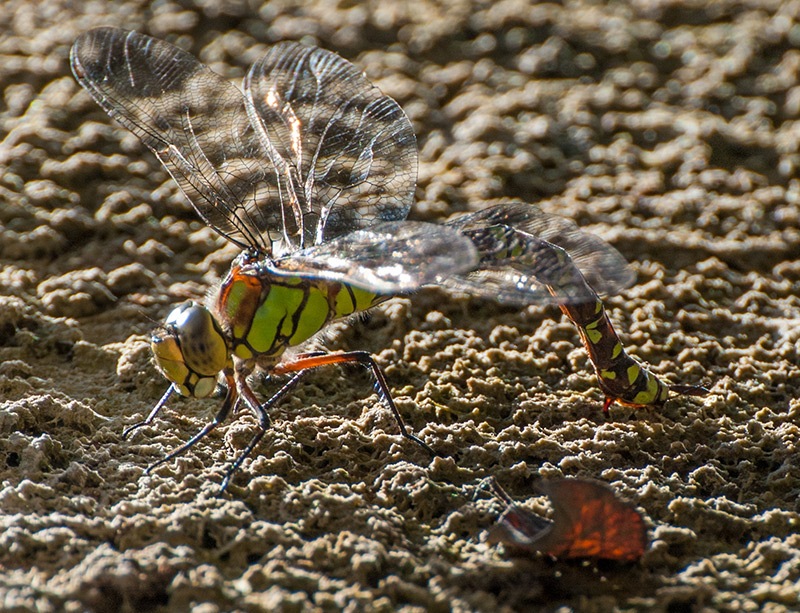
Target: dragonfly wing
pixel 501 284
pixel 387 257
pixel 195 122
pixel 521 257
pixel 350 150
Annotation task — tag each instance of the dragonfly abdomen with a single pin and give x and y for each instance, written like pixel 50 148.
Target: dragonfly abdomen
pixel 265 313
pixel 621 378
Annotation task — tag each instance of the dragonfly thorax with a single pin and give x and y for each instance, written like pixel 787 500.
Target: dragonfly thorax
pixel 190 350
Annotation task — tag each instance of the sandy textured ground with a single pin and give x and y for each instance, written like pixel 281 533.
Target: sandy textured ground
pixel 669 129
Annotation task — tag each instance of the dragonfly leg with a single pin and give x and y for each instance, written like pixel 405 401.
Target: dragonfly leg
pixel 151 416
pixel 261 411
pixel 315 360
pixel 231 400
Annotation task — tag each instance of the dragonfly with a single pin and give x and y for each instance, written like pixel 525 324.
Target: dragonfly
pixel 310 170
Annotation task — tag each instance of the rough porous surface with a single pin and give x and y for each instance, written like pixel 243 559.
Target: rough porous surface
pixel 671 129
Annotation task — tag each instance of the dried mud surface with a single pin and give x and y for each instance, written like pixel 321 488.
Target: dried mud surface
pixel 668 128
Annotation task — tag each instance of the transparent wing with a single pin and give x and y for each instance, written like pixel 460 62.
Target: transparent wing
pixel 387 257
pixel 346 153
pixel 314 151
pixel 192 119
pixel 513 253
pixel 529 256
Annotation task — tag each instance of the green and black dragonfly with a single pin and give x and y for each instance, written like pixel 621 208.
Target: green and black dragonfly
pixel 311 171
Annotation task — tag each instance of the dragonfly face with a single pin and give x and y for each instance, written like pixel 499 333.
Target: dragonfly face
pixel 190 350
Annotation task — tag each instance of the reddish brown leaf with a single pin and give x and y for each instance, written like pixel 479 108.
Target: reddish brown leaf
pixel 589 521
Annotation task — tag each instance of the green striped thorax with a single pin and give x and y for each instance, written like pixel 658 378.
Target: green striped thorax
pixel 190 350
pixel 257 314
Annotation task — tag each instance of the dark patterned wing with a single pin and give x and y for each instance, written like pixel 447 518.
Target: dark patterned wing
pixel 387 258
pixel 346 153
pixel 529 256
pixel 194 121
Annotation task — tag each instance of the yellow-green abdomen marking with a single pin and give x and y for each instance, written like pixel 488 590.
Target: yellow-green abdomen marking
pixel 621 377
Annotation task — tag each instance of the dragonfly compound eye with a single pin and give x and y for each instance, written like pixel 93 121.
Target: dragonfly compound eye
pixel 190 350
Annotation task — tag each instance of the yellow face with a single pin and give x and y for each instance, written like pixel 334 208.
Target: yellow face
pixel 190 350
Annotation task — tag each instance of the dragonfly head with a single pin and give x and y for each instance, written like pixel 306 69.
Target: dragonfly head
pixel 191 350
